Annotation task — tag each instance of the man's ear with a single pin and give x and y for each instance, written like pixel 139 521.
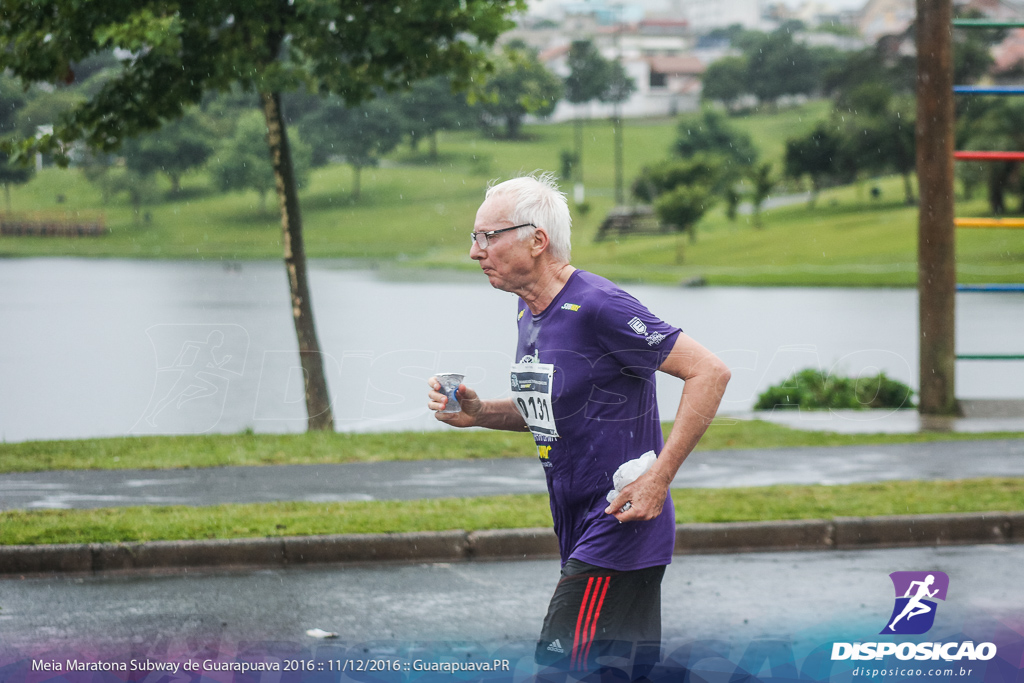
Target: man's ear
pixel 540 242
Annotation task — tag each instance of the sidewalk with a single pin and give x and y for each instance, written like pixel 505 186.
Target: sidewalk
pixel 403 480
pixel 464 478
pixel 979 415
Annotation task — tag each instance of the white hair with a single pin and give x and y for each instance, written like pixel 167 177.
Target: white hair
pixel 536 199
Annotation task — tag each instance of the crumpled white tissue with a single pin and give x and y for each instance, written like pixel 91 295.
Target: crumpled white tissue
pixel 320 633
pixel 629 472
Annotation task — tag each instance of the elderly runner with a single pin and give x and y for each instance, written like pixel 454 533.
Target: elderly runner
pixel 584 384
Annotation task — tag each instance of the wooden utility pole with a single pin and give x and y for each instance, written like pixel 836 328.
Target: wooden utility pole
pixel 936 238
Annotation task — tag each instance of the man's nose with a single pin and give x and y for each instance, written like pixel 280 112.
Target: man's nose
pixel 475 252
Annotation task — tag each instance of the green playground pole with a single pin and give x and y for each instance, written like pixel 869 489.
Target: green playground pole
pixel 986 23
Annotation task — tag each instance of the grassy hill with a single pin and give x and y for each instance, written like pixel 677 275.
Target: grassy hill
pixel 419 212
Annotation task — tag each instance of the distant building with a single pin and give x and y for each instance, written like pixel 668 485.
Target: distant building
pixel 701 15
pixel 885 18
pixel 824 39
pixel 705 15
pixel 655 54
pixel 1000 10
pixel 893 17
pixel 1008 56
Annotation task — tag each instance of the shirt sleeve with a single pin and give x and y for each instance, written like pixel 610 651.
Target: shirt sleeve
pixel 637 339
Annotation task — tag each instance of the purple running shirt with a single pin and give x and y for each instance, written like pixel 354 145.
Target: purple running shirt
pixel 605 347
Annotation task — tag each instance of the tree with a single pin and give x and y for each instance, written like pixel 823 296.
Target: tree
pixel 618 88
pixel 861 74
pixel 12 100
pixel 361 135
pixel 176 52
pixel 94 71
pixel 584 84
pixel 430 106
pixel 995 124
pixel 725 80
pixel 878 135
pixel 13 174
pixel 972 49
pixel 44 109
pixel 618 85
pixel 710 132
pixel 764 181
pixel 520 85
pixel 140 187
pixel 872 99
pixel 174 149
pixel 241 163
pixel 777 66
pixel 816 155
pixel 682 190
pixel 97 168
pixel 900 127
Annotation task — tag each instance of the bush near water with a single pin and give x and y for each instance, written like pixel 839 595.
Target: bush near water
pixel 811 389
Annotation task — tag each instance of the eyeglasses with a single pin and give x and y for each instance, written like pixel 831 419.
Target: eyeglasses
pixel 481 237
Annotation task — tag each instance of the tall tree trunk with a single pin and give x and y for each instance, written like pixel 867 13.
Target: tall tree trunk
pixel 908 189
pixel 433 146
pixel 620 190
pixel 357 180
pixel 136 198
pixel 577 171
pixel 318 400
pixel 512 123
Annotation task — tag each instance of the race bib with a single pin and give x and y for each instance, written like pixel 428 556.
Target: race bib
pixel 531 392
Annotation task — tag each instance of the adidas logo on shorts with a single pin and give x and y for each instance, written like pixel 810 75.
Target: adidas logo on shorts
pixel 556 647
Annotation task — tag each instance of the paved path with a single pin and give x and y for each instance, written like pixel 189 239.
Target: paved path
pixel 434 479
pixel 736 596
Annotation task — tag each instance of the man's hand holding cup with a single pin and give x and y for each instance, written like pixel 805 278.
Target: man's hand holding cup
pixel 452 401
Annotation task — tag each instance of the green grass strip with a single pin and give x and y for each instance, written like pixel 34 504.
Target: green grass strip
pixel 21 527
pixel 216 450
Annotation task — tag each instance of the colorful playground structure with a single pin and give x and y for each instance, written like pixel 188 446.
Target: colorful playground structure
pixel 991 156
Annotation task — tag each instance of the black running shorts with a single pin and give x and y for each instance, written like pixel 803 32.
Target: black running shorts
pixel 599 612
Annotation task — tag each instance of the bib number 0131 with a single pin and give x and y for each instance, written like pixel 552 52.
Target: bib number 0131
pixel 531 392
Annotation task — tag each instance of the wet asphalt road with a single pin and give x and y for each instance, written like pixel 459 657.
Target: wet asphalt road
pixel 741 596
pixel 435 479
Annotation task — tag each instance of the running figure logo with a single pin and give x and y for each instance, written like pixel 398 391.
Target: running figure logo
pixel 914 611
pixel 194 366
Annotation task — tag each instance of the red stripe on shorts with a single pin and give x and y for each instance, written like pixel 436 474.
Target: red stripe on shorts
pixel 597 613
pixel 579 622
pixel 590 623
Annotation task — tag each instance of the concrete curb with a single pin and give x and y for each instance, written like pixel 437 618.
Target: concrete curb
pixel 841 533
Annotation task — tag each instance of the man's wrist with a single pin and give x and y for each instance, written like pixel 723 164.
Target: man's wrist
pixel 662 477
pixel 498 414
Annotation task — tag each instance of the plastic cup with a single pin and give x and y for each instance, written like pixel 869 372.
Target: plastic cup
pixel 450 382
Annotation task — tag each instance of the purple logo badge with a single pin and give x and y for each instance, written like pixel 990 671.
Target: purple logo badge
pixel 916 592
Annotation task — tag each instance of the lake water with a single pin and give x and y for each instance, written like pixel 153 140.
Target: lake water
pixel 114 347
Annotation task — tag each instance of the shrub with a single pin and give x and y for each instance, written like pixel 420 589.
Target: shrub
pixel 813 389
